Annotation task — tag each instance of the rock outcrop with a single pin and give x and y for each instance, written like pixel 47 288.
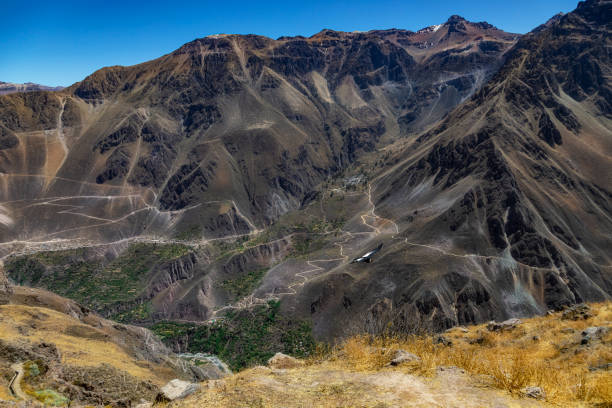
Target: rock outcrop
pixel 5 287
pixel 281 361
pixel 176 389
pixel 505 325
pixel 404 357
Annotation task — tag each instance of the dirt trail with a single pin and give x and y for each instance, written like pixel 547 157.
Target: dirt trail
pixel 309 274
pixel 330 385
pixel 15 384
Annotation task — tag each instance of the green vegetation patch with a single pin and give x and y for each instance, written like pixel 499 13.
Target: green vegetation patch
pixel 93 282
pixel 244 338
pixel 244 285
pixel 226 248
pixel 190 232
pixel 321 226
pixel 139 313
pixel 305 244
pixel 33 369
pixel 50 397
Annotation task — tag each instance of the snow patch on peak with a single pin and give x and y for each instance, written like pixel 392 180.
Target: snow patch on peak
pixel 430 29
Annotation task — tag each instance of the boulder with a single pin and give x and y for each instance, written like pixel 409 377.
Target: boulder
pixel 443 340
pixel 402 356
pixel 203 367
pixel 280 360
pixel 577 312
pixel 594 333
pixel 603 366
pixel 533 392
pixel 450 370
pixel 176 389
pixel 505 325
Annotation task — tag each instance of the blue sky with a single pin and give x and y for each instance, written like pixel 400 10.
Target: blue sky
pixel 61 42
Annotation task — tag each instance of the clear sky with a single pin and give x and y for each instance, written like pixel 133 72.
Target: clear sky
pixel 61 42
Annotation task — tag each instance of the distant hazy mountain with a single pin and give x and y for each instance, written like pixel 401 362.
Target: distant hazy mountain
pixel 8 87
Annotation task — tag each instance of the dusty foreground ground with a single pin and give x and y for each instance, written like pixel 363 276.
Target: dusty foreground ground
pixel 71 358
pixel 565 356
pixel 327 386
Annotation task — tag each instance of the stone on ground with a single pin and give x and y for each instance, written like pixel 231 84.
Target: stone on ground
pixel 505 325
pixel 177 389
pixel 280 360
pixel 577 312
pixel 533 392
pixel 402 357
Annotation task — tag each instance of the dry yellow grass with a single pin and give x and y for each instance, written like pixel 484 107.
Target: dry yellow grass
pixel 5 395
pixel 497 365
pixel 35 324
pixel 510 360
pixel 356 373
pixel 327 385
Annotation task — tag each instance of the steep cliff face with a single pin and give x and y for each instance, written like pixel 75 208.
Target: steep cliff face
pixel 168 273
pixel 222 284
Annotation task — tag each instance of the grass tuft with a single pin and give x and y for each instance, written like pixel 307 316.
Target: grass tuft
pixel 540 352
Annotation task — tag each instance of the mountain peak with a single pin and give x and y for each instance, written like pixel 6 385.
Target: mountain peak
pixel 455 19
pixel 456 22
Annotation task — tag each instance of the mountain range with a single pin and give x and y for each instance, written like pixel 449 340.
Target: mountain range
pixel 9 87
pixel 241 170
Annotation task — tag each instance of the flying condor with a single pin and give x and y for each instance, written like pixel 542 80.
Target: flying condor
pixel 367 257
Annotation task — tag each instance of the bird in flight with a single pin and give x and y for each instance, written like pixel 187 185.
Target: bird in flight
pixel 367 257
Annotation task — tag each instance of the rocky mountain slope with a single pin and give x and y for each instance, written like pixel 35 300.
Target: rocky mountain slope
pixel 502 209
pixel 228 132
pixel 241 171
